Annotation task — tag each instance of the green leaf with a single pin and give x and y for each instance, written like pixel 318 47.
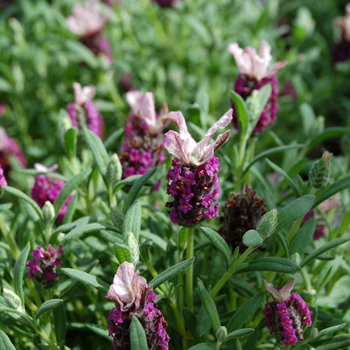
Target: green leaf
pixel 102 331
pixel 37 172
pixel 241 110
pixel 132 221
pixel 70 141
pixel 191 323
pixel 80 53
pixel 242 287
pixel 324 248
pixel 303 237
pixel 272 264
pixel 122 253
pixel 60 323
pixel 5 342
pixel 203 346
pixel 332 343
pixel 137 335
pixel 209 305
pixel 270 152
pixel 332 190
pixel 171 272
pixel 87 279
pixel 286 176
pixel 247 310
pixel 239 333
pixel 327 134
pixel 18 273
pixel 113 138
pixel 294 211
pixel 70 186
pixel 252 239
pixel 136 188
pixel 308 116
pixel 47 306
pixel 219 243
pixel 80 230
pixel 156 239
pixel 23 196
pixel 98 150
pixel 130 181
pixel 329 330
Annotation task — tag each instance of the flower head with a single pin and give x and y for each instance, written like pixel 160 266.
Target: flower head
pixel 87 19
pixel 186 149
pixel 3 181
pixel 43 267
pixel 255 65
pixel 47 189
pixel 133 297
pixel 83 112
pixel 288 315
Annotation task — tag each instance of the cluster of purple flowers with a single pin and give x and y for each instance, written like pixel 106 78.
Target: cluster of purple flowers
pixel 244 86
pixel 3 181
pixel 43 267
pixel 133 297
pixel 83 112
pixel 47 189
pixel 195 190
pixel 287 316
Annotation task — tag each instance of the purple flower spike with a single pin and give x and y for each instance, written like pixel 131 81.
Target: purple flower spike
pixel 142 147
pixel 194 172
pixel 43 267
pixel 254 74
pixel 83 112
pixel 133 297
pixel 3 181
pixel 288 315
pixel 47 189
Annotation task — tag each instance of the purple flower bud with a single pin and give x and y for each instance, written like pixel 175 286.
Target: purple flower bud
pixel 47 189
pixel 142 147
pixel 83 112
pixel 3 181
pixel 43 267
pixel 288 315
pixel 133 297
pixel 166 3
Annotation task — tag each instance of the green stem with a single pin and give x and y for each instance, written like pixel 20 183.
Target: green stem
pixel 230 272
pixel 306 279
pixel 10 241
pixel 189 273
pixel 294 229
pixel 34 292
pixel 238 175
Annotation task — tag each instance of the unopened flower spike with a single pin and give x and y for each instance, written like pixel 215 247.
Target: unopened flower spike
pixel 254 73
pixel 133 297
pixel 88 23
pixel 287 315
pixel 83 112
pixel 47 189
pixel 241 214
pixel 144 139
pixel 43 267
pixel 193 178
pixel 9 148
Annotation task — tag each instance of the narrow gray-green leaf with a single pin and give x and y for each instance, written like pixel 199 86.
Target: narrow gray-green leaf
pixel 47 306
pixel 87 279
pixel 239 333
pixel 252 238
pixel 70 186
pixel 136 188
pixel 333 343
pixel 329 330
pixel 241 110
pixel 23 196
pixel 303 237
pixel 101 331
pixel 98 150
pixel 5 342
pixel 80 230
pixel 327 134
pixel 18 272
pixel 286 176
pixel 137 335
pixel 130 181
pixel 323 249
pixel 203 346
pixel 122 253
pixel 209 306
pixel 60 323
pixel 132 221
pixel 272 264
pixel 247 310
pixel 294 211
pixel 219 243
pixel 191 323
pixel 170 273
pixel 70 141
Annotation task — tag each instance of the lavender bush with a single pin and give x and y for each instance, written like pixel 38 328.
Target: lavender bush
pixel 118 232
